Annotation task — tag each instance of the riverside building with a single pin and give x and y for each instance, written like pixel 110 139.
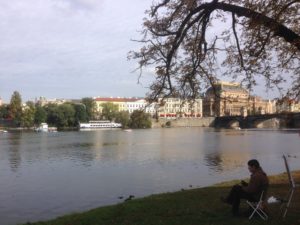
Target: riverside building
pixel 287 105
pixel 166 108
pixel 176 107
pixel 231 99
pixel 125 104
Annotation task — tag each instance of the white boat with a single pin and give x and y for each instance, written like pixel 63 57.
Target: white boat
pixel 127 130
pixel 42 128
pixel 99 124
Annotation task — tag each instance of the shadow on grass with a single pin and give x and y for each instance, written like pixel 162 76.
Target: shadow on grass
pixel 192 207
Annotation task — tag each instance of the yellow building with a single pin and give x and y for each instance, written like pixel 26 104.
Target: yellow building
pixel 230 99
pixel 125 104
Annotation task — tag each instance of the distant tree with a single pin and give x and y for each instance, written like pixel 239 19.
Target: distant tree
pixel 66 115
pixel 28 115
pixel 4 111
pixel 123 117
pixel 193 43
pixel 80 113
pixel 15 108
pixel 140 119
pixel 52 114
pixel 109 111
pixel 61 116
pixel 90 106
pixel 40 115
pixel 168 124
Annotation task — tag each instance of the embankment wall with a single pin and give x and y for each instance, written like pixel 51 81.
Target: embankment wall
pixel 184 122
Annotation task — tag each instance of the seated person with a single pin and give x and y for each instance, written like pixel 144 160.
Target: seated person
pixel 252 191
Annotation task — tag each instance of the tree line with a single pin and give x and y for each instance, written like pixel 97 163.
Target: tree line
pixel 68 114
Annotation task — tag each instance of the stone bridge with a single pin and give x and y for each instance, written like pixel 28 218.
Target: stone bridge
pixel 282 120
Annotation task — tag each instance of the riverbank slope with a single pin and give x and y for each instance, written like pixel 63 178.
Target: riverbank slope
pixel 194 206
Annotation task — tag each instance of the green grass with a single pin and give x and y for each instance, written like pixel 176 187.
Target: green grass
pixel 190 207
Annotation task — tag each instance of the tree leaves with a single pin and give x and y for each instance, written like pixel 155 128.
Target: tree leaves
pixel 185 39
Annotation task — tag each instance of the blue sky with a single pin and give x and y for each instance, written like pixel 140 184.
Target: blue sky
pixel 70 48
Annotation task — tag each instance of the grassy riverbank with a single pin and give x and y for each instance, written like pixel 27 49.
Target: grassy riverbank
pixel 195 206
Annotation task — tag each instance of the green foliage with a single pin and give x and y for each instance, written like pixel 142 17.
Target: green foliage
pixel 123 118
pixel 90 107
pixel 28 115
pixel 168 123
pixel 66 115
pixel 15 108
pixel 109 111
pixel 4 111
pixel 40 115
pixel 61 116
pixel 140 119
pixel 80 113
pixel 52 114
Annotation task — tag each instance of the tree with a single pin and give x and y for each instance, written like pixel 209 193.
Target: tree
pixel 123 118
pixel 109 111
pixel 61 116
pixel 80 113
pixel 15 107
pixel 140 119
pixel 90 106
pixel 52 114
pixel 66 115
pixel 40 115
pixel 187 40
pixel 4 111
pixel 28 115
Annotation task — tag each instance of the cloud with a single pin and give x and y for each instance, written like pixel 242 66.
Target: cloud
pixel 75 6
pixel 72 44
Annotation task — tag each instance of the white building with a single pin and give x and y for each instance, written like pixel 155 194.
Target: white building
pixel 176 107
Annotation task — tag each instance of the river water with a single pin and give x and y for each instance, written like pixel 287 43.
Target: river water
pixel 45 175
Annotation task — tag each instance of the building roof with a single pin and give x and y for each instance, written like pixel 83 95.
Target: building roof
pixel 117 99
pixel 226 86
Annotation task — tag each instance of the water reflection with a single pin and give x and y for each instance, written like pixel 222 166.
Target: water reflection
pixel 214 162
pixel 74 171
pixel 14 151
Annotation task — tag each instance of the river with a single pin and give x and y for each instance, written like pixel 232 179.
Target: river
pixel 45 175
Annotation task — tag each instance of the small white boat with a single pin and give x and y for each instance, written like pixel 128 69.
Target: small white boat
pixel 3 131
pixel 42 128
pixel 127 130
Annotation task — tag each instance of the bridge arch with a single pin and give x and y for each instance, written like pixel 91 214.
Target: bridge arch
pixel 268 122
pixel 235 123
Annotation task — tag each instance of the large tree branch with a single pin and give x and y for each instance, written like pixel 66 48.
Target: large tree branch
pixel 278 28
pixel 184 59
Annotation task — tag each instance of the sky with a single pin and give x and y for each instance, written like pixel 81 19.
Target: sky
pixel 70 48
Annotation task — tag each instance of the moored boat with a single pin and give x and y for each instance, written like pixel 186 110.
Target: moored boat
pixel 42 128
pixel 98 124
